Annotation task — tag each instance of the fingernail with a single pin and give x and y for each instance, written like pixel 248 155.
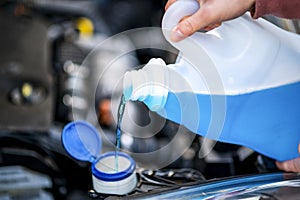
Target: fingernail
pixel 176 35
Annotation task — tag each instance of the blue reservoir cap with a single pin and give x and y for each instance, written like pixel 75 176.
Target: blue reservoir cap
pixel 82 141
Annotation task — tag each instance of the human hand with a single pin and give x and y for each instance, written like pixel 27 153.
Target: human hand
pixel 289 165
pixel 211 14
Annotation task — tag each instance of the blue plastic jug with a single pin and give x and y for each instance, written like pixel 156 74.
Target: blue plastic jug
pixel 239 83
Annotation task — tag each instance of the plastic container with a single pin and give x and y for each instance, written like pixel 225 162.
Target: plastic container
pixel 238 83
pixel 81 140
pixel 107 180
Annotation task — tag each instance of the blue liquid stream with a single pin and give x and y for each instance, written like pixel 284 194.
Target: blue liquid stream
pixel 118 131
pixel 267 121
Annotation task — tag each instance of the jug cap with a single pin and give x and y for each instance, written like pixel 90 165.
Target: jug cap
pixel 82 141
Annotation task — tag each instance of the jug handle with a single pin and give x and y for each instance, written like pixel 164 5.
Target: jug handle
pixel 178 10
pixel 187 47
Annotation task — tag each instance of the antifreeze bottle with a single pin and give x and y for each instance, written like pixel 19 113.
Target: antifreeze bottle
pixel 239 83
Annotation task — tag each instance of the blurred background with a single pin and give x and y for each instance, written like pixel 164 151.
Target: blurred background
pixel 61 61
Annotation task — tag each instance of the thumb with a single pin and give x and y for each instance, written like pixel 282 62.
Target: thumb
pixel 188 26
pixel 181 31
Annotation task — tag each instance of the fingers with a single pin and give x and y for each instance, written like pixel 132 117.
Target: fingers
pixel 181 31
pixel 209 16
pixel 186 27
pixel 290 165
pixel 201 19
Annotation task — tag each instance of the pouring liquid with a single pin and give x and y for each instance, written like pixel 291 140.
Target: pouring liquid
pixel 121 109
